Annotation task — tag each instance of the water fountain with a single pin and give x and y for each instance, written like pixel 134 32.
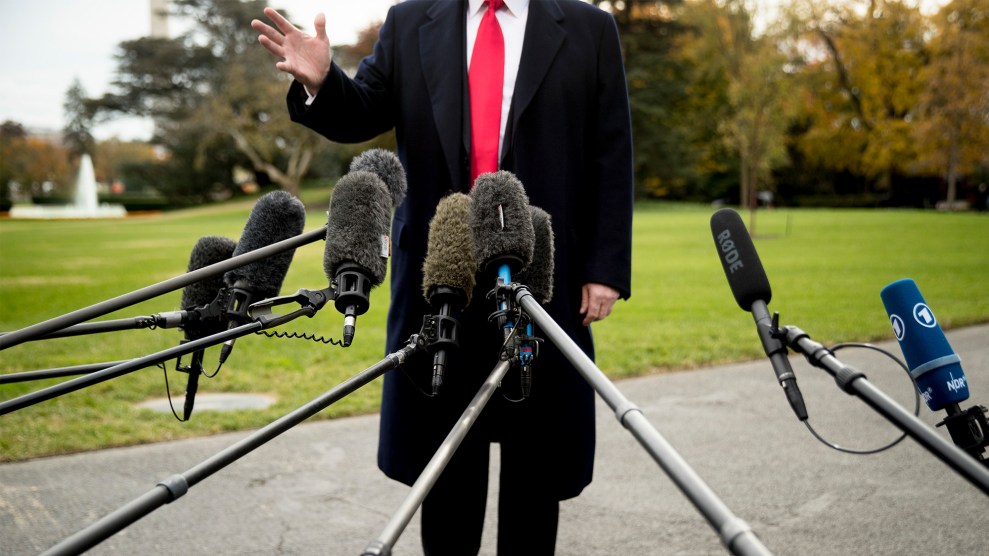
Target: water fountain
pixel 86 203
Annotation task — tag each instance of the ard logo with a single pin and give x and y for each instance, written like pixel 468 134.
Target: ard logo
pixel 924 316
pixel 898 328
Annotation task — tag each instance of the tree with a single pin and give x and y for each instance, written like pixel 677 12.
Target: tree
pixel 76 134
pixel 112 156
pixel 33 165
pixel 214 84
pixel 862 86
pixel 725 50
pixel 954 108
pixel 657 92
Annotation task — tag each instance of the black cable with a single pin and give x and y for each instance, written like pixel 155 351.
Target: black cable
pixel 916 410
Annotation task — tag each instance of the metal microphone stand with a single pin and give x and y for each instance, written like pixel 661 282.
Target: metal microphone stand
pixel 174 487
pixel 736 535
pixel 45 328
pixel 311 301
pixel 855 383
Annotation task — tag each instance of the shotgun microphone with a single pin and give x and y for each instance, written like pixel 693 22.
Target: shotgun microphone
pixel 750 286
pixel 501 224
pixel 384 164
pixel 357 243
pixel 207 251
pixel 538 277
pixel 448 274
pixel 276 216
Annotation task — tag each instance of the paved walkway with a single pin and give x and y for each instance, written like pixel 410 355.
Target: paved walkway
pixel 315 489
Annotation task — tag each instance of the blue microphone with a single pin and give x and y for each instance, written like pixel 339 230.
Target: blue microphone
pixel 934 366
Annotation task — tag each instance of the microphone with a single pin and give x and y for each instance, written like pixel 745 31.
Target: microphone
pixel 357 244
pixel 750 286
pixel 538 276
pixel 934 366
pixel 207 251
pixel 448 273
pixel 501 225
pixel 276 216
pixel 386 166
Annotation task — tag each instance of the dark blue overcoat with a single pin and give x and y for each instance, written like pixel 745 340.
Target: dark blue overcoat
pixel 568 141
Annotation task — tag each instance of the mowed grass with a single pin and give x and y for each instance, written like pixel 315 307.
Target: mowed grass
pixel 826 268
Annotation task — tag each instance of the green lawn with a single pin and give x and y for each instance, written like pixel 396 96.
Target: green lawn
pixel 826 268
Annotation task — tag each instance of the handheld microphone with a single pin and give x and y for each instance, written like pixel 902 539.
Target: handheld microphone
pixel 276 216
pixel 538 276
pixel 750 286
pixel 207 251
pixel 501 225
pixel 448 274
pixel 934 366
pixel 357 244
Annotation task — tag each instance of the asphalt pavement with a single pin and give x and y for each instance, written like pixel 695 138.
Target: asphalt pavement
pixel 316 490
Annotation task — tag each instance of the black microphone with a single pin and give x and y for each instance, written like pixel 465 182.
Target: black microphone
pixel 538 277
pixel 448 273
pixel 276 216
pixel 207 251
pixel 357 244
pixel 386 166
pixel 750 286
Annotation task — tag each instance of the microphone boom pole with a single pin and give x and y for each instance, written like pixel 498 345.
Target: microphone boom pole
pixel 59 372
pixel 99 327
pixel 148 292
pixel 176 486
pixel 130 366
pixel 736 535
pixel 855 383
pixel 383 544
pixel 312 301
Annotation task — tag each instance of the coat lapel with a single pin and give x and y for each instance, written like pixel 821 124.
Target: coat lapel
pixel 544 35
pixel 439 41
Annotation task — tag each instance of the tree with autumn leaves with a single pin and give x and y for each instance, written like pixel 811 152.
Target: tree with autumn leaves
pixel 868 90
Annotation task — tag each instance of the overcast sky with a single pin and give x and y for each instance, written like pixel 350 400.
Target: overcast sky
pixel 49 43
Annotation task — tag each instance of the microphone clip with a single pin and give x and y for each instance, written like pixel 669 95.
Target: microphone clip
pixel 969 429
pixel 352 285
pixel 195 366
pixel 310 301
pixel 440 332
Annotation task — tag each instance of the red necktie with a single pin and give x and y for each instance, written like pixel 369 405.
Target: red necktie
pixel 486 80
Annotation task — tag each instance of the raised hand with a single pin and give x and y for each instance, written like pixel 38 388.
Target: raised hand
pixel 304 57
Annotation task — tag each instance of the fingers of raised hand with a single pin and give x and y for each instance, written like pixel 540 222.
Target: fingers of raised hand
pixel 284 25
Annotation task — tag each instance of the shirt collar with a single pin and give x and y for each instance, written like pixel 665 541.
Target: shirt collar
pixel 514 6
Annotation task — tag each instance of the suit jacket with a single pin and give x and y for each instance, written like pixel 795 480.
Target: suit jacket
pixel 569 142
